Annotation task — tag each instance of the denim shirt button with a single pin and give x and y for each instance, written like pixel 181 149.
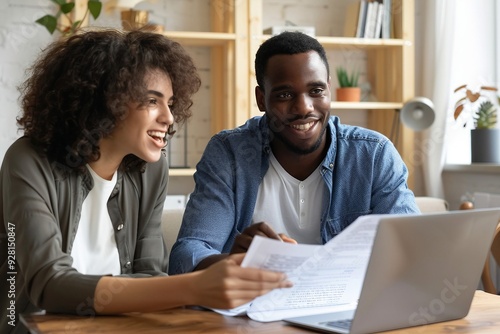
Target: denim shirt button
pixel 120 227
pixel 128 265
pixel 331 165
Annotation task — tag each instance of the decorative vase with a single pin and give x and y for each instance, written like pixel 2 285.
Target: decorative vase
pixel 349 94
pixel 485 145
pixel 134 19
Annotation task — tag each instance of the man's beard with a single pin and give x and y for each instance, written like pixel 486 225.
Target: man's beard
pixel 296 149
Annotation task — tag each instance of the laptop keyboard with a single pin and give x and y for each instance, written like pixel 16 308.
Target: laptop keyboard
pixel 344 323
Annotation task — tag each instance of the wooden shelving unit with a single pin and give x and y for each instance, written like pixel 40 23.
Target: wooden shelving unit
pixel 236 33
pixel 391 71
pixel 229 60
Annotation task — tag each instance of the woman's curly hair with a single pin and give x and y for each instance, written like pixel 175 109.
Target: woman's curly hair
pixel 79 88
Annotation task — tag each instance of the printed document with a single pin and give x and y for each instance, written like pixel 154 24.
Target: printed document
pixel 326 278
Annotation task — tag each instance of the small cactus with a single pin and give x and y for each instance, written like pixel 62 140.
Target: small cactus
pixel 346 80
pixel 486 116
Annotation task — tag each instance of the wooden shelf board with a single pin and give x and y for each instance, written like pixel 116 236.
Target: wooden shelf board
pixel 365 105
pixel 181 171
pixel 193 38
pixel 353 43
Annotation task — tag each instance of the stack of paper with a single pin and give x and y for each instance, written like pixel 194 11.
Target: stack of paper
pixel 326 277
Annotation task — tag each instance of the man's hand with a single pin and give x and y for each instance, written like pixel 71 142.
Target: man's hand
pixel 243 241
pixel 286 238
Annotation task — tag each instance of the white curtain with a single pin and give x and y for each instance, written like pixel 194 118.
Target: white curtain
pixel 458 47
pixel 438 20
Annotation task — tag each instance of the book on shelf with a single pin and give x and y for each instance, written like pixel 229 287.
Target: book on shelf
pixel 363 6
pixel 387 19
pixel 326 278
pixel 371 19
pixel 352 19
pixel 378 21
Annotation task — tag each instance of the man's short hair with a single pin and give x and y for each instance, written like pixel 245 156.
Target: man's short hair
pixel 286 43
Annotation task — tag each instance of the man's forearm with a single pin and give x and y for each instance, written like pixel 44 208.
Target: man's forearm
pixel 208 261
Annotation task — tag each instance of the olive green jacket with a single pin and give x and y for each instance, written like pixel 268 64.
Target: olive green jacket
pixel 40 210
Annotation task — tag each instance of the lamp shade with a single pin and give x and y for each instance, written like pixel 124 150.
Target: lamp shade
pixel 418 113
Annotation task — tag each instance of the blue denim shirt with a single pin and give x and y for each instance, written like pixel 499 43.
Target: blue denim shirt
pixel 363 173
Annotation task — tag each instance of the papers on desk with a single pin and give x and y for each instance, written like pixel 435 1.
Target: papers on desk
pixel 326 277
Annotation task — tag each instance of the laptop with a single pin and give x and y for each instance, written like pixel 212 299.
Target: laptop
pixel 423 269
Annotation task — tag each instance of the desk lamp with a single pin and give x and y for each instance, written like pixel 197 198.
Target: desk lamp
pixel 417 114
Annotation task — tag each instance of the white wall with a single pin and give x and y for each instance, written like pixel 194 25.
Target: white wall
pixel 20 42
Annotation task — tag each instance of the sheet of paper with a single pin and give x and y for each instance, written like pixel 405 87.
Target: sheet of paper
pixel 326 278
pixel 275 255
pixel 265 254
pixel 332 276
pixel 234 312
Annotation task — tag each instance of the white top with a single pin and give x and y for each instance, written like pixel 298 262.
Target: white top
pixel 94 250
pixel 291 206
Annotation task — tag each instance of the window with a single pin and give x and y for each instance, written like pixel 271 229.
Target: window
pixel 474 62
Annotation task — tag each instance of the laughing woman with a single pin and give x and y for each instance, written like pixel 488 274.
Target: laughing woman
pixel 82 191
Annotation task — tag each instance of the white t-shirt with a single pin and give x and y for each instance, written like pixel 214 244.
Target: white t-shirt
pixel 289 205
pixel 94 250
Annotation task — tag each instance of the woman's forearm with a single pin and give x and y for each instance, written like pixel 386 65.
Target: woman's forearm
pixel 116 295
pixel 224 284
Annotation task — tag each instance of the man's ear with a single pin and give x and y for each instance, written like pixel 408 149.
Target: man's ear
pixel 259 97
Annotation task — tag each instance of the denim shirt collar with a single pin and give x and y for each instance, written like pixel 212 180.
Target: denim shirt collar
pixel 329 160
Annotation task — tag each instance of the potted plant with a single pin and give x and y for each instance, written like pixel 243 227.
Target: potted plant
pixel 481 118
pixel 348 85
pixel 65 7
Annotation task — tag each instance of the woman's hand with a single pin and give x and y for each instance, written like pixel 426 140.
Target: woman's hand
pixel 242 241
pixel 226 284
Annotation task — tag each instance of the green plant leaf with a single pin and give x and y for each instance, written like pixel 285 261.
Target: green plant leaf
pixel 354 79
pixel 49 22
pixel 67 7
pixel 486 115
pixel 94 7
pixel 346 80
pixel 76 25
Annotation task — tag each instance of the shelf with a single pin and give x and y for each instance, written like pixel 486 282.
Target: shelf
pixel 365 105
pixel 365 43
pixel 236 32
pixel 354 43
pixel 193 38
pixel 488 168
pixel 181 172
